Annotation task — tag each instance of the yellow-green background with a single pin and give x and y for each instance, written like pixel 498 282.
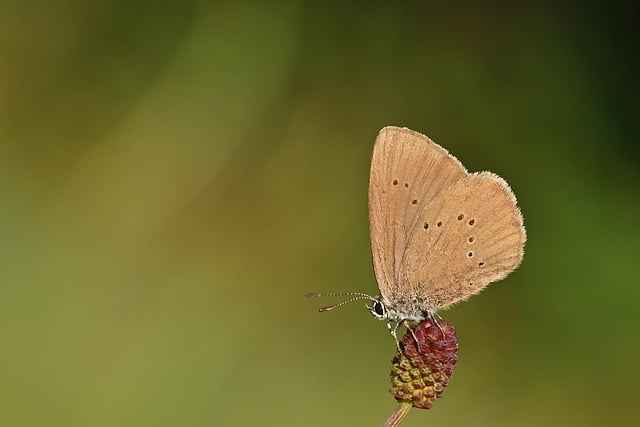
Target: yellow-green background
pixel 174 176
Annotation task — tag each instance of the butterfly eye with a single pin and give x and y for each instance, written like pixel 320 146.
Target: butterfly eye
pixel 378 309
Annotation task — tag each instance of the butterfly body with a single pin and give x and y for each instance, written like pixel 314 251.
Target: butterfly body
pixel 403 310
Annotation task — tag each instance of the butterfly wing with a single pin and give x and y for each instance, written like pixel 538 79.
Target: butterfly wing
pixel 408 171
pixel 469 235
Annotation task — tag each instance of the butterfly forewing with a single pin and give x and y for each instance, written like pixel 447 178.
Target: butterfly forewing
pixel 470 234
pixel 408 171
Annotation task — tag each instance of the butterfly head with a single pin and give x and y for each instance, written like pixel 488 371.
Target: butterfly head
pixel 378 309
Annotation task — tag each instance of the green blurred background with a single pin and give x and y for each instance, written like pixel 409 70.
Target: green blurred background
pixel 174 176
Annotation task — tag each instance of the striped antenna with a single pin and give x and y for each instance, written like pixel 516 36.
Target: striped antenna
pixel 358 296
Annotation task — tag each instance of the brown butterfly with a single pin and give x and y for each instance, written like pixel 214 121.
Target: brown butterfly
pixel 439 234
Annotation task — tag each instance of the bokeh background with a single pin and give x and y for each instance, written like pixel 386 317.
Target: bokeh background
pixel 174 176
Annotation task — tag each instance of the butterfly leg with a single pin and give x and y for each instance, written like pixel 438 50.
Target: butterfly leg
pixel 435 317
pixel 394 333
pixel 407 325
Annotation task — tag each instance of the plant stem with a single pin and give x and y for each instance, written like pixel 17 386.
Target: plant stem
pixel 398 415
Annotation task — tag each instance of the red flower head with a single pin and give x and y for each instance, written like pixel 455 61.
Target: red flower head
pixel 424 367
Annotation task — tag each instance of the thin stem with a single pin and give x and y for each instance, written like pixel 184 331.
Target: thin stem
pixel 398 415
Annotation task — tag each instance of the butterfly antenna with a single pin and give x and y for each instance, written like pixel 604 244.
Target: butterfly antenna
pixel 356 296
pixel 331 307
pixel 338 294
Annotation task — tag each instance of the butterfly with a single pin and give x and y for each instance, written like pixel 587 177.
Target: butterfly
pixel 439 234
